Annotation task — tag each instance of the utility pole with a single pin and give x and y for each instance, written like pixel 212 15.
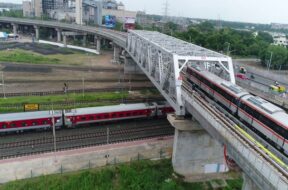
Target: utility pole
pixel 53 126
pixel 271 56
pixel 166 8
pixel 3 86
pixel 83 86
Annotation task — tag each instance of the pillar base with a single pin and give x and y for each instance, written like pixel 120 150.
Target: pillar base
pixel 196 155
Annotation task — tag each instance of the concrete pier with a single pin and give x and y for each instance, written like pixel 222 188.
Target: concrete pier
pixel 58 34
pixel 196 155
pixel 97 41
pixel 117 51
pixel 36 32
pixel 15 28
pixel 84 40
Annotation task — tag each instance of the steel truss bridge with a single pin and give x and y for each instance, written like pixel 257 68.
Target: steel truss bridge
pixel 162 58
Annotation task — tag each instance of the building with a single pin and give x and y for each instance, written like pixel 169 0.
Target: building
pixel 121 15
pixel 27 9
pixel 280 40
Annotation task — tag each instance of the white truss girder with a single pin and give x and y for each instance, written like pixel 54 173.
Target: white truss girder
pixel 162 58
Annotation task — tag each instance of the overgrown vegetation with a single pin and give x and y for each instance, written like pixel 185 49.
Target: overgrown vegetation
pixel 141 175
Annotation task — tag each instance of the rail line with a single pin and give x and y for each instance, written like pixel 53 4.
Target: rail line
pixel 85 139
pixel 76 80
pixel 59 92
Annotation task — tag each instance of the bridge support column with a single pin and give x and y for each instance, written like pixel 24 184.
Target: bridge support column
pixel 97 41
pixel 36 32
pixel 248 184
pixel 84 40
pixel 196 155
pixel 65 40
pixel 58 34
pixel 117 51
pixel 15 27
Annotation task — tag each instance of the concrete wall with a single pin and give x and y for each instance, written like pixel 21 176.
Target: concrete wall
pixel 79 159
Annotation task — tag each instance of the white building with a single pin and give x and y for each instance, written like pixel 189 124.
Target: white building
pixel 280 39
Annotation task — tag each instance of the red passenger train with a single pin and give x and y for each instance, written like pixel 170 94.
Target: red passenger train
pixel 71 118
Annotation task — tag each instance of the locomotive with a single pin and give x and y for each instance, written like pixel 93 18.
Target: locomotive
pixel 13 122
pixel 267 120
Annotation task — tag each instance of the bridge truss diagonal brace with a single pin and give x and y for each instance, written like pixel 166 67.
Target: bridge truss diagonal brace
pixel 161 67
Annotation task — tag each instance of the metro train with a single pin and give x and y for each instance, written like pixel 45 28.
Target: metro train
pixel 13 122
pixel 267 120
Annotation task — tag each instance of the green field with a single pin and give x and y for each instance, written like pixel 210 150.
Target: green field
pixel 141 175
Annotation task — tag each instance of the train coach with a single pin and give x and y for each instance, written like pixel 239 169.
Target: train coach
pixel 29 120
pixel 71 118
pixel 267 120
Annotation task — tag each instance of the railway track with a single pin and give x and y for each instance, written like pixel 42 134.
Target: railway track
pixel 59 92
pixel 98 136
pixel 76 80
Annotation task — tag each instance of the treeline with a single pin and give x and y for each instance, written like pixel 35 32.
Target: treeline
pixel 238 43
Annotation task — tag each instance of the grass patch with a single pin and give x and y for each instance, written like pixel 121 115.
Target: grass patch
pixel 70 97
pixel 25 56
pixel 141 175
pixel 18 55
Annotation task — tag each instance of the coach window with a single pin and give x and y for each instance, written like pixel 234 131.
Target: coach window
pixel 24 124
pixel 44 122
pixel 106 116
pixel 83 118
pixel 113 114
pixel 34 123
pixel 4 126
pixel 13 125
pixel 91 117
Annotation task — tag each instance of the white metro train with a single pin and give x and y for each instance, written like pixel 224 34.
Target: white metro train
pixel 269 121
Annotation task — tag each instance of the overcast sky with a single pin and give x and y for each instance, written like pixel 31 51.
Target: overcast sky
pixel 259 11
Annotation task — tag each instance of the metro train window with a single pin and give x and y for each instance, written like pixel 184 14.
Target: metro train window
pixel 91 117
pixel 13 125
pixel 106 116
pixel 128 114
pixel 121 115
pixel 44 122
pixel 98 117
pixel 83 118
pixel 34 123
pixel 24 124
pixel 278 129
pixel 4 126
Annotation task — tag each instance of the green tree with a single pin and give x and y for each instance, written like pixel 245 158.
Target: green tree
pixel 279 56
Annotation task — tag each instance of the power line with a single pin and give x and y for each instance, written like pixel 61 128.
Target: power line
pixel 166 9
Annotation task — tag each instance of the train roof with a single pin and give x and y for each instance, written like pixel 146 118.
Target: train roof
pixel 266 106
pixel 108 109
pixel 28 115
pixel 235 89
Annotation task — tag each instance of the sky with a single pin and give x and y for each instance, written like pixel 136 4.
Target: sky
pixel 256 11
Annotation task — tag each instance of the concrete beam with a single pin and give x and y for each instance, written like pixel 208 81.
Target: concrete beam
pixel 73 33
pixel 196 155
